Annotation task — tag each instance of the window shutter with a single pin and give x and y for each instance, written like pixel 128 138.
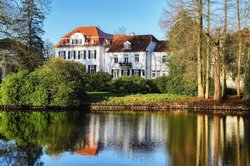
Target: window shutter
pixel 89 54
pixel 95 54
pixel 79 54
pixel 139 72
pixel 84 54
pixel 112 73
pixel 122 72
pixel 133 72
pixel 68 54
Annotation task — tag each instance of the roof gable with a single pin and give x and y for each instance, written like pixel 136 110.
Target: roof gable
pixel 139 43
pixel 90 32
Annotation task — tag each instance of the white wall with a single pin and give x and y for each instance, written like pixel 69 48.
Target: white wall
pixel 99 62
pixel 109 61
pixel 157 65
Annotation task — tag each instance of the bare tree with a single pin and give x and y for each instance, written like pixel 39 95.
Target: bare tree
pixel 120 30
pixel 208 51
pixel 199 49
pixel 223 54
pixel 217 86
pixel 240 48
pixel 49 50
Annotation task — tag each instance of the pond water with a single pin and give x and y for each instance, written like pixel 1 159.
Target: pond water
pixel 148 139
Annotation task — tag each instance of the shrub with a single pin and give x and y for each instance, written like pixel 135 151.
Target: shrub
pixel 99 81
pixel 247 84
pixel 56 83
pixel 129 84
pixel 161 83
pixel 11 88
pixel 152 86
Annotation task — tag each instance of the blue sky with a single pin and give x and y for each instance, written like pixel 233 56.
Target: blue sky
pixel 138 16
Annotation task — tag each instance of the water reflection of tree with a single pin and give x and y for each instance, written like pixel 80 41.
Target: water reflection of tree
pixel 27 154
pixel 181 143
pixel 55 131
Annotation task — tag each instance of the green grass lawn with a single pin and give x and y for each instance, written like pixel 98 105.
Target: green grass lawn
pixel 119 98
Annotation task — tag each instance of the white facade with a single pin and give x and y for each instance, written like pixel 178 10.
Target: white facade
pixel 116 63
pixel 118 55
pixel 90 56
pixel 158 66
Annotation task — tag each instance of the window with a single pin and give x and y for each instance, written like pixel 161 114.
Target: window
pixel 79 54
pixel 62 54
pixel 73 54
pixel 125 72
pixel 74 41
pixel 164 59
pixel 107 42
pixel 125 58
pixel 137 72
pixel 153 74
pixel 92 54
pixel 143 72
pixel 158 73
pixel 127 45
pixel 115 58
pixel 115 73
pixel 62 43
pixel 91 68
pixel 137 58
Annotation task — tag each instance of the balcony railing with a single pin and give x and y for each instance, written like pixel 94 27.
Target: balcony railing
pixel 125 64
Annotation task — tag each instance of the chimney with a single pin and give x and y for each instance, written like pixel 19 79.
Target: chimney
pixel 132 34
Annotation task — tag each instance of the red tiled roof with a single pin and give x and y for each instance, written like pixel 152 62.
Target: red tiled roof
pixel 87 151
pixel 92 32
pixel 138 43
pixel 161 46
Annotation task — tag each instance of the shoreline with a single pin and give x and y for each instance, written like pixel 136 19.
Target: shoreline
pixel 231 105
pixel 102 107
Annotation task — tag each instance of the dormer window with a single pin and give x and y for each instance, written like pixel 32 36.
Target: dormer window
pixel 77 39
pixel 127 45
pixel 107 42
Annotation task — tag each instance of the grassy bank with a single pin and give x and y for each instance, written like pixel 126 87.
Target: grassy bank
pixel 160 99
pixel 130 99
pixel 146 99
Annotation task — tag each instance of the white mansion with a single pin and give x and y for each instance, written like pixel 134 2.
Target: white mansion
pixel 119 55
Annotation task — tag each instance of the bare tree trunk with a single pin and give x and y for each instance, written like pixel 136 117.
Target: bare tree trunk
pixel 208 52
pixel 223 66
pixel 240 50
pixel 199 50
pixel 217 89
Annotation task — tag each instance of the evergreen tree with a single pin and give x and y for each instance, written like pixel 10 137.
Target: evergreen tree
pixel 30 30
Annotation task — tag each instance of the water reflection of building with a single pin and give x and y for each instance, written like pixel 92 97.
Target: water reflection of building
pixel 92 138
pixel 125 133
pixel 199 139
